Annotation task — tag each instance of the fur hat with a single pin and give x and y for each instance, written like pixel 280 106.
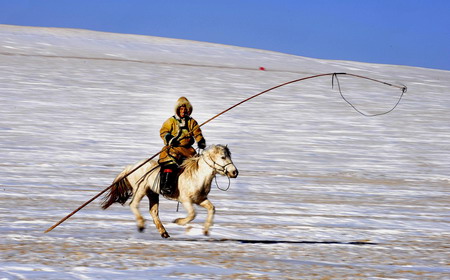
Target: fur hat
pixel 183 101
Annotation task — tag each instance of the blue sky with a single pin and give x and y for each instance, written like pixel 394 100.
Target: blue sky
pixel 403 32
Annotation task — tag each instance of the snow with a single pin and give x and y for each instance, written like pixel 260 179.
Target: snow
pixel 345 196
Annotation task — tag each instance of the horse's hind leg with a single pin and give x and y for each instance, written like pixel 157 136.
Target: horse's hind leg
pixel 209 219
pixel 154 211
pixel 134 206
pixel 191 214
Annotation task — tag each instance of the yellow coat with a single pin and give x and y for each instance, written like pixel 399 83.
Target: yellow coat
pixel 185 130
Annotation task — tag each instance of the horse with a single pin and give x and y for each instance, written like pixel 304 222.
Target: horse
pixel 194 185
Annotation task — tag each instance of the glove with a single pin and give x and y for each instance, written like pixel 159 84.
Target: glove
pixel 174 142
pixel 170 140
pixel 201 144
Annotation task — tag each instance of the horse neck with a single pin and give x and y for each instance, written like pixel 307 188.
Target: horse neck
pixel 199 179
pixel 205 170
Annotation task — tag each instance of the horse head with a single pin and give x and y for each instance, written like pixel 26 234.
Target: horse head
pixel 220 160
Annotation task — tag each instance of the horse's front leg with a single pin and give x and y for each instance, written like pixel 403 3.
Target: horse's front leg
pixel 191 214
pixel 209 219
pixel 154 212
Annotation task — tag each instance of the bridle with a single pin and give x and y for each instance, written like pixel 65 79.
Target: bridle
pixel 222 168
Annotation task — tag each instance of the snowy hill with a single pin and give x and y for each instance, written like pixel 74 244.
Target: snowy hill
pixel 315 176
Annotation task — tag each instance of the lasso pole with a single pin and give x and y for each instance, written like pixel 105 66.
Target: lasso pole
pixel 403 88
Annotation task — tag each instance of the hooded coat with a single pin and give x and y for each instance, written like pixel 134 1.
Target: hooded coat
pixel 185 131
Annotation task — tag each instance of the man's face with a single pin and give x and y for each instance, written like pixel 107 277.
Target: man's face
pixel 183 112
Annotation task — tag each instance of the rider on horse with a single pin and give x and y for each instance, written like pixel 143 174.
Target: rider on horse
pixel 179 133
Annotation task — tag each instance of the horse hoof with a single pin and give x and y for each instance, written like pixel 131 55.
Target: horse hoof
pixel 206 233
pixel 165 235
pixel 141 229
pixel 178 221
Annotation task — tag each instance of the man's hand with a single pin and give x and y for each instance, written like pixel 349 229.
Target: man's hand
pixel 201 144
pixel 174 142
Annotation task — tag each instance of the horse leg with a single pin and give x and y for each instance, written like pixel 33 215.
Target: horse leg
pixel 191 214
pixel 154 212
pixel 134 205
pixel 209 219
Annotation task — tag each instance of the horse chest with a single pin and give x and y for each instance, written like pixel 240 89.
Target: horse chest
pixel 200 194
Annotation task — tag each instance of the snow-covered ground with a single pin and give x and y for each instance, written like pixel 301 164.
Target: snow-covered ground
pixel 338 195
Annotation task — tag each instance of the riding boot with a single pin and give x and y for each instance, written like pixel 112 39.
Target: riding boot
pixel 167 180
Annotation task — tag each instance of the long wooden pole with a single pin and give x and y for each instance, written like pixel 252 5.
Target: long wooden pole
pixel 214 117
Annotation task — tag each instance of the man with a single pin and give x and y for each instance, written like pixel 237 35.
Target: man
pixel 179 133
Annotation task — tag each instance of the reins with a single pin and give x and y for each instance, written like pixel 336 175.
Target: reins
pixel 218 187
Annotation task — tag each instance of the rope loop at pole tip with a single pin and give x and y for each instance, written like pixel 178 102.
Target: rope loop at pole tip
pixel 335 76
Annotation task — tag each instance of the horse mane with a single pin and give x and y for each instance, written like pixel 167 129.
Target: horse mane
pixel 190 165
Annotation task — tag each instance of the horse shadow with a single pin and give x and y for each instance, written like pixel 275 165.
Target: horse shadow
pixel 270 241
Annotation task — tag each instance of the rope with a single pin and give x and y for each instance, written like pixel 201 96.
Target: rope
pixel 217 185
pixel 335 76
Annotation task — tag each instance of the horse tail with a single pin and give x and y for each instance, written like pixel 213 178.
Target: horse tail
pixel 120 191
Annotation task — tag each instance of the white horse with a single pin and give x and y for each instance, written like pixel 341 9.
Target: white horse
pixel 194 184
